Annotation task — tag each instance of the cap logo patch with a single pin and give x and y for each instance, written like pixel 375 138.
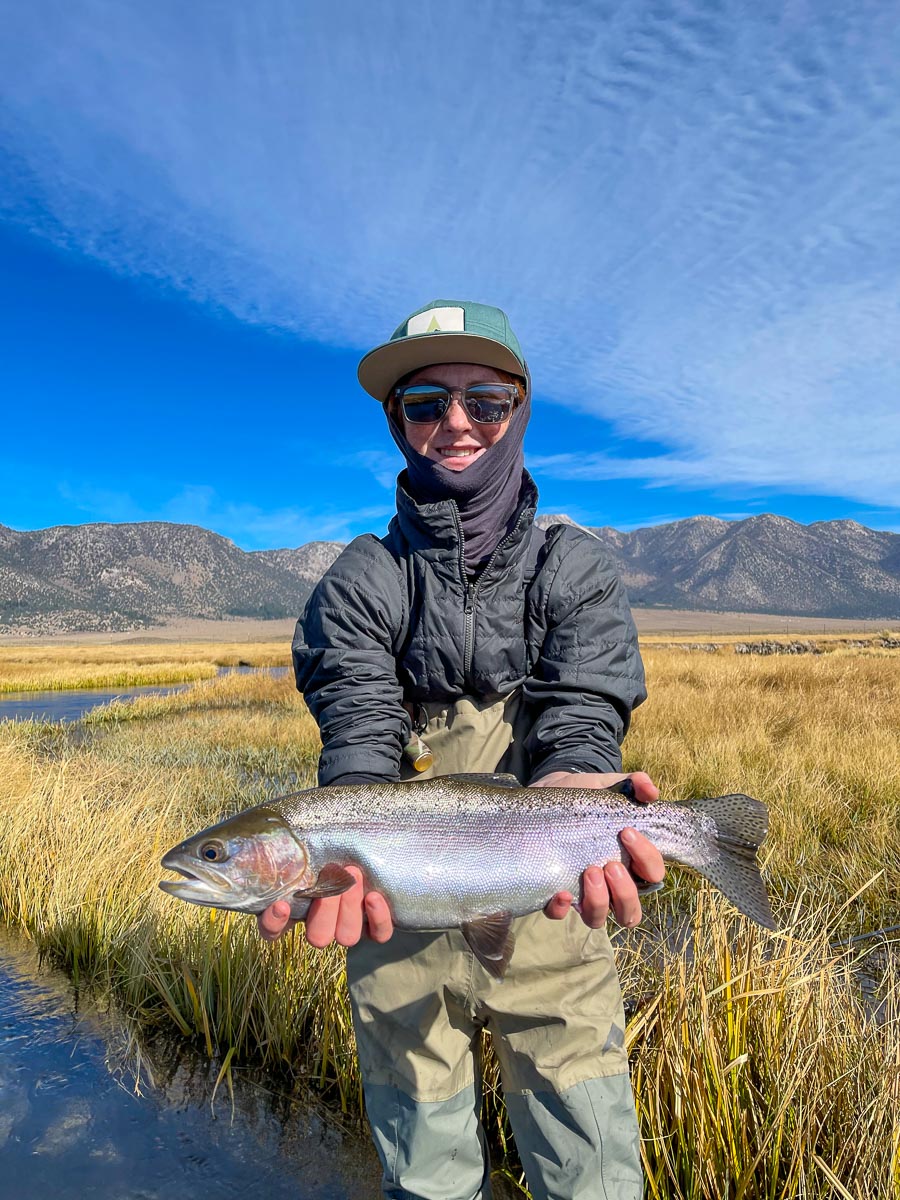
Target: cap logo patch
pixel 437 320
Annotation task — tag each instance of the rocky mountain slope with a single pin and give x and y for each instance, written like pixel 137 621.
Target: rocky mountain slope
pixel 762 564
pixel 114 577
pixel 129 576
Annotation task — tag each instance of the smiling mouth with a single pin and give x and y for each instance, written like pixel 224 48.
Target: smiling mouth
pixel 457 452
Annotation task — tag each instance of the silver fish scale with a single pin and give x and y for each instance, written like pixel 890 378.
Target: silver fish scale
pixel 443 846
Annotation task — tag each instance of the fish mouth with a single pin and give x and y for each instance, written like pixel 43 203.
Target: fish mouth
pixel 199 885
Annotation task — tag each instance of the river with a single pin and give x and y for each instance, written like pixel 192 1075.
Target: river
pixel 74 704
pixel 73 1126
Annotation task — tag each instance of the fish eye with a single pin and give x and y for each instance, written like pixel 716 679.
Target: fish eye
pixel 213 852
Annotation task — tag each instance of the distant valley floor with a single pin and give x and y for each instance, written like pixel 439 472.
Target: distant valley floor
pixel 651 622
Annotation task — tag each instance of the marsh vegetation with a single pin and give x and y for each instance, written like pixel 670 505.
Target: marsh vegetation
pixel 763 1065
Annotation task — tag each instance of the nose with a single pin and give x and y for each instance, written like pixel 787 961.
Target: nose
pixel 456 418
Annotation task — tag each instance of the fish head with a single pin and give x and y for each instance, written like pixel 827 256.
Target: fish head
pixel 244 863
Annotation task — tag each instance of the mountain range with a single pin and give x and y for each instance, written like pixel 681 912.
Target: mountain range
pixel 765 564
pixel 107 577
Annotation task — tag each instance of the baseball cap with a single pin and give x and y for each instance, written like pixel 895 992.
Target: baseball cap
pixel 441 332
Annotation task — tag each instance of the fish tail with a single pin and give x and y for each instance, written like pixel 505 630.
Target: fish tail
pixel 741 824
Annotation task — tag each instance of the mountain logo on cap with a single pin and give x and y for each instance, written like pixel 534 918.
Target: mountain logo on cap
pixel 437 320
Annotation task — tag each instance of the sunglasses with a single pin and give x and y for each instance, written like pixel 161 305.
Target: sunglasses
pixel 486 403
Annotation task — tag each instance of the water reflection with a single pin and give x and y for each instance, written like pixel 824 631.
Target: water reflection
pixel 71 1123
pixel 73 705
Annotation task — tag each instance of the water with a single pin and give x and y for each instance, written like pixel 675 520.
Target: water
pixel 72 1126
pixel 73 705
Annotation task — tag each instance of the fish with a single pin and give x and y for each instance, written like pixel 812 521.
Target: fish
pixel 469 852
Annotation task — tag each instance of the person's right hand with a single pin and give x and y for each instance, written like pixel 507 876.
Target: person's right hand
pixel 333 918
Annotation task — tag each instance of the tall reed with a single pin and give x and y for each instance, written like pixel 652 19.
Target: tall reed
pixel 764 1065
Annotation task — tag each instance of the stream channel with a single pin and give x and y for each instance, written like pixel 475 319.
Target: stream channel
pixel 82 1119
pixel 74 704
pixel 86 1115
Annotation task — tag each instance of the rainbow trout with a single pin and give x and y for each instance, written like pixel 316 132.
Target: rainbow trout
pixel 460 851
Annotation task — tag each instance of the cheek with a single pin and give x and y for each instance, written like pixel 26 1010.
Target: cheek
pixel 417 435
pixel 493 433
pixel 276 863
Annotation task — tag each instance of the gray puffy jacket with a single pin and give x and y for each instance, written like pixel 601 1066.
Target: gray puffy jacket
pixel 394 619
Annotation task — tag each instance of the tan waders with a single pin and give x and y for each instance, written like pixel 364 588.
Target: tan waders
pixel 420 1001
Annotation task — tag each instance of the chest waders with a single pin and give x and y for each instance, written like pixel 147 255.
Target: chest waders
pixel 420 1001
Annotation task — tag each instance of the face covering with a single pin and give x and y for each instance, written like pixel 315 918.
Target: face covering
pixel 486 493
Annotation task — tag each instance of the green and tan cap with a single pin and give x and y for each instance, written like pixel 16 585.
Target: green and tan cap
pixel 443 331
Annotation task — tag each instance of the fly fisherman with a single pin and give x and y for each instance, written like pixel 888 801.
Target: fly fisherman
pixel 504 649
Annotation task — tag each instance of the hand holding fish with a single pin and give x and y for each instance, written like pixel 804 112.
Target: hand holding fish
pixel 341 918
pixel 613 884
pixel 333 918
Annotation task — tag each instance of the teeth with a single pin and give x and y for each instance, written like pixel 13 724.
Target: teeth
pixel 458 453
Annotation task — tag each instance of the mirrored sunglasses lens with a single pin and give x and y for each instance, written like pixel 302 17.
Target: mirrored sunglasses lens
pixel 424 406
pixel 488 406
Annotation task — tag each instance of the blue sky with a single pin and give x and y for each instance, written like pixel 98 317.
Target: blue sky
pixel 208 211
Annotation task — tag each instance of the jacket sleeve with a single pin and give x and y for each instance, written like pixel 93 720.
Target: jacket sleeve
pixel 589 675
pixel 345 667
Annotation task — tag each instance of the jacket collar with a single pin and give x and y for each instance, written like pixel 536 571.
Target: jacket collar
pixel 436 526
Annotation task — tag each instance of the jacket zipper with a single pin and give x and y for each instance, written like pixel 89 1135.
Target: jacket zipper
pixel 470 594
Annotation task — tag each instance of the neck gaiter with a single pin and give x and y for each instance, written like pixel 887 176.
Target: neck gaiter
pixel 486 493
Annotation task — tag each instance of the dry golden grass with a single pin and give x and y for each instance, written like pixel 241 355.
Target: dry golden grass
pixel 764 1065
pixel 64 668
pixel 816 737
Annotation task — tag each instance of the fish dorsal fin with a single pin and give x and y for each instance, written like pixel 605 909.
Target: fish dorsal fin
pixel 332 881
pixel 624 787
pixel 494 780
pixel 492 941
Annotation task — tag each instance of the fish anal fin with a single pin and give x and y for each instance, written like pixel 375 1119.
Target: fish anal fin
pixel 497 779
pixel 332 880
pixel 492 941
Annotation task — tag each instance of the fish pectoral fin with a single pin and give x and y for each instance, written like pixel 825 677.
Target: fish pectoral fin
pixel 497 779
pixel 624 787
pixel 492 941
pixel 332 881
pixel 644 888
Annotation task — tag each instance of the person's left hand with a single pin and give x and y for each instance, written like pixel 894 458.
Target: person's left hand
pixel 612 884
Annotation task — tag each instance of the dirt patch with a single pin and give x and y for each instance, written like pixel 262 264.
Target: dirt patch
pixel 650 622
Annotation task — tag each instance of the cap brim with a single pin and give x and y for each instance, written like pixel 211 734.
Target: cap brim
pixel 383 366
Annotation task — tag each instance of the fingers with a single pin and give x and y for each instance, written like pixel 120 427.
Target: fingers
pixel 601 888
pixel 340 918
pixel 623 894
pixel 381 925
pixel 595 896
pixel 349 922
pixel 646 860
pixel 559 906
pixel 337 918
pixel 614 886
pixel 275 921
pixel 645 789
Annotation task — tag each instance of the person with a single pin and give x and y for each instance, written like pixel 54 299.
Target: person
pixel 470 634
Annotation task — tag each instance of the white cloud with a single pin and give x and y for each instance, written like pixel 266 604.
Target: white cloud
pixel 689 211
pixel 383 465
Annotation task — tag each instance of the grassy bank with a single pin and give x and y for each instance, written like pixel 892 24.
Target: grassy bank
pixel 764 1066
pixel 66 668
